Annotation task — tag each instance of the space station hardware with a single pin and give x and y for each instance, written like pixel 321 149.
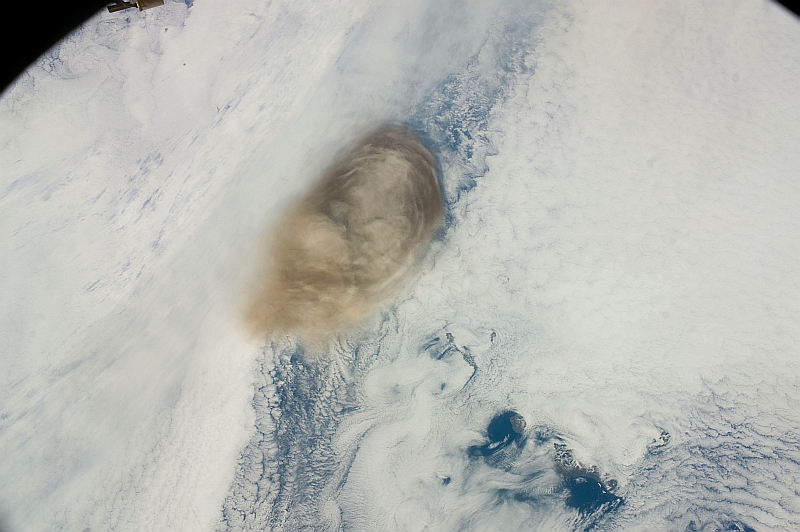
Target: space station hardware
pixel 119 5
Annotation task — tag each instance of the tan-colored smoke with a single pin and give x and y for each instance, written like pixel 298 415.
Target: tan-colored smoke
pixel 347 245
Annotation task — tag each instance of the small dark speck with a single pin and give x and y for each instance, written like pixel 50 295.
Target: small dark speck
pixel 184 64
pixel 446 481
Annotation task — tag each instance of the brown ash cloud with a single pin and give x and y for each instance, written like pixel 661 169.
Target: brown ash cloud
pixel 351 241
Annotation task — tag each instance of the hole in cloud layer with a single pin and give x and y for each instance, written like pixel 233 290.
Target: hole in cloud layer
pixel 348 244
pixel 588 495
pixel 503 430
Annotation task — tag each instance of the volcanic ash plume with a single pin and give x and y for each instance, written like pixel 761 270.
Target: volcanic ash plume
pixel 348 244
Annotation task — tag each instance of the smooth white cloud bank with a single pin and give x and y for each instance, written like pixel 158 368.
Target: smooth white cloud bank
pixel 625 263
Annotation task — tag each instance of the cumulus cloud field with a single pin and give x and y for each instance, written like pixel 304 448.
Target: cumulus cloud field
pixel 590 322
